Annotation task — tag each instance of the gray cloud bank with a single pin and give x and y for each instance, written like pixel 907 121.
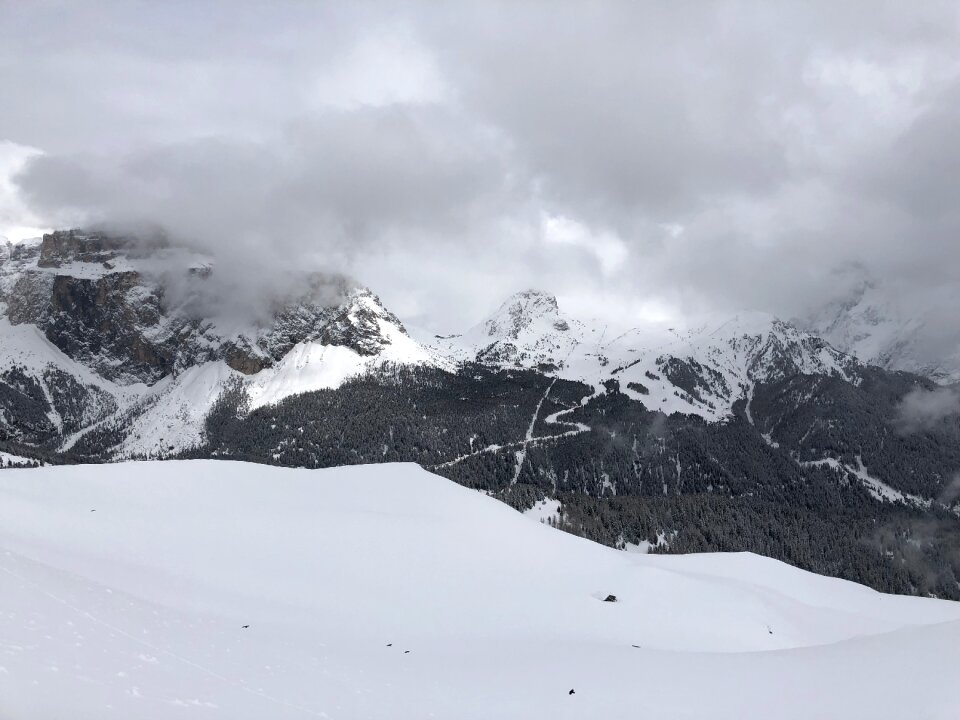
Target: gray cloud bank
pixel 922 409
pixel 628 155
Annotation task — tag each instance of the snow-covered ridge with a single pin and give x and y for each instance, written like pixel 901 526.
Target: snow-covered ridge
pixel 871 324
pixel 702 368
pixel 218 589
pixel 520 311
pixel 160 368
pixel 95 310
pixel 527 330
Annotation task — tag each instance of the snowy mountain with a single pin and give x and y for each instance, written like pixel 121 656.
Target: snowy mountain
pixel 103 332
pixel 870 324
pixel 211 589
pixel 701 369
pixel 99 318
pixel 527 330
pixel 739 432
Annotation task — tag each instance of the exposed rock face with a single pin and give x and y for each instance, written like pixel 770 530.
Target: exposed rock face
pixel 785 351
pixel 113 324
pixel 66 246
pixel 357 324
pixel 243 358
pixel 698 381
pixel 527 330
pixel 110 320
pixel 86 293
pixel 29 298
pixel 87 320
pixel 521 310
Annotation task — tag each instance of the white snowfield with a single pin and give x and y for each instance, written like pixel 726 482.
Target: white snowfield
pixel 388 592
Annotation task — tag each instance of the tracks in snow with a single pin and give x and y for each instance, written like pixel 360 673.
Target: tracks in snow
pixel 877 488
pixel 521 454
pixel 529 440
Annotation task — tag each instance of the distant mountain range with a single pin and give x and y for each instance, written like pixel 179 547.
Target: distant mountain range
pixel 869 323
pixel 732 433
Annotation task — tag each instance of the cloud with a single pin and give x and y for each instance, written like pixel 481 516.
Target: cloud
pixel 16 220
pixel 721 155
pixel 322 196
pixel 922 409
pixel 951 493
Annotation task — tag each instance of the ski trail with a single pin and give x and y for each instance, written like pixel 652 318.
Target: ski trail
pixel 52 415
pixel 876 487
pixel 74 438
pixel 748 411
pixel 522 445
pixel 540 440
pixel 521 454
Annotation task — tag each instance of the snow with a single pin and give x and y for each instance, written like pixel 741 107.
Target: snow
pixel 520 447
pixel 27 347
pixel 521 454
pixel 6 458
pixel 645 546
pixel 308 366
pixel 175 409
pixel 88 270
pixel 169 416
pixel 872 323
pixel 177 406
pixel 126 588
pixel 526 329
pixel 545 511
pixel 311 366
pixel 529 330
pixel 172 412
pixel 877 488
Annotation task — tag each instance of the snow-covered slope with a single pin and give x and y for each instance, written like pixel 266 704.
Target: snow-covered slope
pixel 90 340
pixel 526 330
pixel 706 367
pixel 48 393
pixel 872 325
pixel 224 590
pixel 701 367
pixel 168 416
pixel 174 410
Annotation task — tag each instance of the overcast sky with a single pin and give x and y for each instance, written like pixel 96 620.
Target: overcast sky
pixel 642 159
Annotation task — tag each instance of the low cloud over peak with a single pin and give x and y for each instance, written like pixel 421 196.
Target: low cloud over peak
pixel 723 155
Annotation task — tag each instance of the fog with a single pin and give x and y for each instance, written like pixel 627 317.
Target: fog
pixel 642 160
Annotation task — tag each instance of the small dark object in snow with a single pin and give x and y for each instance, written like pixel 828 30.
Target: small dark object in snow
pixel 94 510
pixel 389 644
pixel 571 692
pixel 405 652
pixel 636 646
pixel 244 626
pixel 610 598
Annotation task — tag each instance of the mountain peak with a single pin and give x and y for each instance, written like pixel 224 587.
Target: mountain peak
pixel 520 310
